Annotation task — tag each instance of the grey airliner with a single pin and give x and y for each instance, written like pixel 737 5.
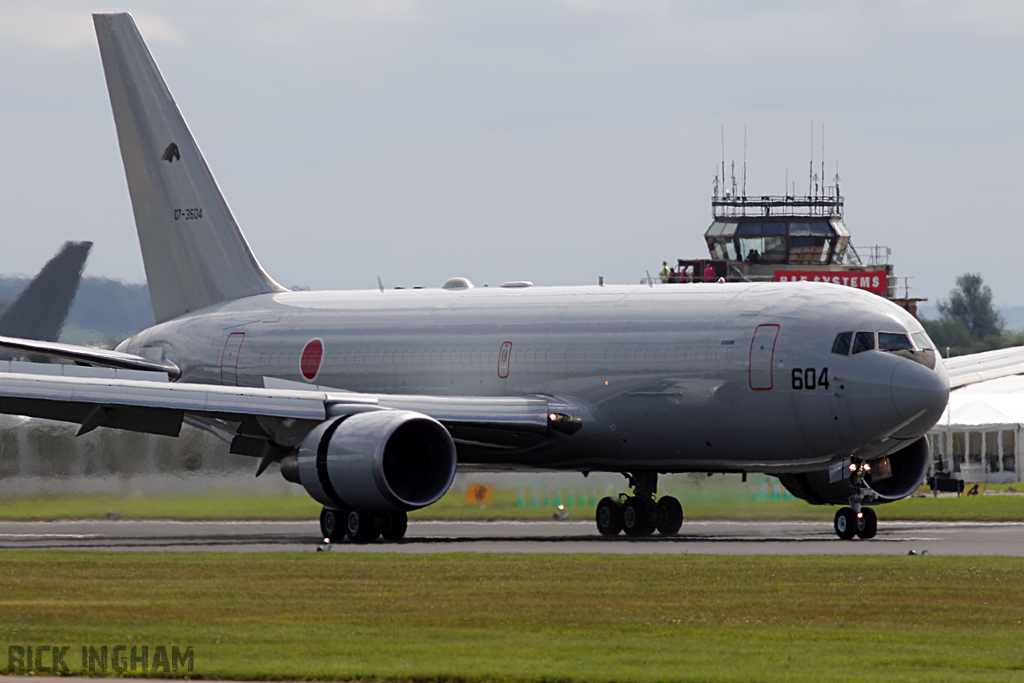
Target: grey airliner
pixel 371 399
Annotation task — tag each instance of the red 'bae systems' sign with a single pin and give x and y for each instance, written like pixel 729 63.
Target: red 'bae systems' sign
pixel 875 281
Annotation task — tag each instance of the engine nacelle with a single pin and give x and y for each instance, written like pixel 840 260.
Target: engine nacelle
pixel 893 477
pixel 380 461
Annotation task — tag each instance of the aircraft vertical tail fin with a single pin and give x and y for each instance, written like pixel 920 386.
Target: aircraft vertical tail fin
pixel 40 309
pixel 193 250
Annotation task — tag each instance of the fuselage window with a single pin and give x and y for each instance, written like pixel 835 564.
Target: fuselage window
pixel 842 343
pixel 894 341
pixel 864 341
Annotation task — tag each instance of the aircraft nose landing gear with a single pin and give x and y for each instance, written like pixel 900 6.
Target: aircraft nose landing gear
pixel 848 523
pixel 856 520
pixel 639 514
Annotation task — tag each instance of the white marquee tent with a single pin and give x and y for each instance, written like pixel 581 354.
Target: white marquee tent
pixel 978 437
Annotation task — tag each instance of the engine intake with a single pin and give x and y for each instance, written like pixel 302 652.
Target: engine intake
pixel 893 477
pixel 380 461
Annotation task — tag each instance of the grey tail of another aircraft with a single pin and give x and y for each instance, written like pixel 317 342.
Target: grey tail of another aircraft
pixel 40 309
pixel 193 250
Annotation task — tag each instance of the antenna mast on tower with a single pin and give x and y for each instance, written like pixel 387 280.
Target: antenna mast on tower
pixel 744 160
pixel 810 173
pixel 723 154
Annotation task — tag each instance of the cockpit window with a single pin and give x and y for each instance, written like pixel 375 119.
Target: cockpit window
pixel 864 341
pixel 922 341
pixel 842 343
pixel 894 341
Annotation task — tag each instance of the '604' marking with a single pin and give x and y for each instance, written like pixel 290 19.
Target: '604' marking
pixel 810 378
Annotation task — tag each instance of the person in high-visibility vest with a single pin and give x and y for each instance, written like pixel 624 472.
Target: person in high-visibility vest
pixel 664 272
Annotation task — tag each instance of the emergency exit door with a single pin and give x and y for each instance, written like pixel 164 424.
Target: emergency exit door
pixel 229 359
pixel 762 355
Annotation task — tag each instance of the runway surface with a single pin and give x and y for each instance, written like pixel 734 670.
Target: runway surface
pixel 708 537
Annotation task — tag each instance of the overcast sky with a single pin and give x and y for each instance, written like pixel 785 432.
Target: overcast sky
pixel 549 140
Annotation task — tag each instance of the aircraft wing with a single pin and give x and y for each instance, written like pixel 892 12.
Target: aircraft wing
pixel 86 355
pixel 979 367
pixel 147 402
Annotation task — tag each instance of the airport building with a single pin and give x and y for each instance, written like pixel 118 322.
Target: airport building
pixel 789 238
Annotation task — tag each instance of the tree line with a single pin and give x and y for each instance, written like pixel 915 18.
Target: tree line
pixel 968 321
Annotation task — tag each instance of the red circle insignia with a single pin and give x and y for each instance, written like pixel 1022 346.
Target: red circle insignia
pixel 311 357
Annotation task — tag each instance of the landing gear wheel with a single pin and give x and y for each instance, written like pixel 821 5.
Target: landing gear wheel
pixel 395 526
pixel 363 527
pixel 670 516
pixel 638 517
pixel 332 524
pixel 868 526
pixel 845 523
pixel 609 516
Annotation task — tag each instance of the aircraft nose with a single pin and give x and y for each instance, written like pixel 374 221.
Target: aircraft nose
pixel 917 390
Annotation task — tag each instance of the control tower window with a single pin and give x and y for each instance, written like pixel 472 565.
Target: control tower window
pixel 767 238
pixel 722 248
pixel 846 255
pixel 894 341
pixel 864 341
pixel 809 250
pixel 719 229
pixel 774 250
pixel 841 345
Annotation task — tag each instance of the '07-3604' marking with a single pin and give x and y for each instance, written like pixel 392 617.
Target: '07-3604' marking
pixel 188 214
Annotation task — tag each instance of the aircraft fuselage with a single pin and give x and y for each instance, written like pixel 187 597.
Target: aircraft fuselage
pixel 694 377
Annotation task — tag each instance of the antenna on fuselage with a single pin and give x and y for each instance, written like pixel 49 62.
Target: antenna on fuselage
pixel 380 285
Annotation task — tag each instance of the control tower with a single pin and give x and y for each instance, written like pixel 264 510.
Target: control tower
pixel 790 238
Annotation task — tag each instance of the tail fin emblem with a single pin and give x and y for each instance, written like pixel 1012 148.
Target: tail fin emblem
pixel 171 153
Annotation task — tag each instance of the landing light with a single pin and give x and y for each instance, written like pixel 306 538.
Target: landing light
pixel 558 417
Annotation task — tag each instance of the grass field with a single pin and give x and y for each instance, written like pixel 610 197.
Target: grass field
pixel 501 505
pixel 468 617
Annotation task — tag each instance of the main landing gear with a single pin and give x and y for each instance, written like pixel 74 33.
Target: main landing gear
pixel 639 514
pixel 856 520
pixel 362 527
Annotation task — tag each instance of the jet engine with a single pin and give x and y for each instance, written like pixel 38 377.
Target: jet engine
pixel 380 461
pixel 891 477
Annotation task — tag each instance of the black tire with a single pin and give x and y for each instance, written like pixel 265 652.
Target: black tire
pixel 868 526
pixel 395 526
pixel 609 516
pixel 670 516
pixel 363 527
pixel 331 524
pixel 845 523
pixel 639 517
